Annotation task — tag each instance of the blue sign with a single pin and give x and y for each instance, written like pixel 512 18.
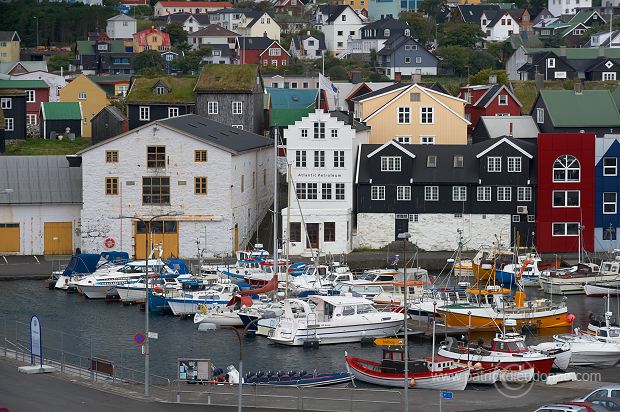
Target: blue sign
pixel 36 348
pixel 123 9
pixel 138 338
pixel 446 395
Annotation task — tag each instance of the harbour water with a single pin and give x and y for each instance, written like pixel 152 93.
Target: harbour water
pixel 107 330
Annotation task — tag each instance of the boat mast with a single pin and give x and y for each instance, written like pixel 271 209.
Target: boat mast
pixel 288 223
pixel 434 323
pixel 275 201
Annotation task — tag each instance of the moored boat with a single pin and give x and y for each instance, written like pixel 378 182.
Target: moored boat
pixel 282 378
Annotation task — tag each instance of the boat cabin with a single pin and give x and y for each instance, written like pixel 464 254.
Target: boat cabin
pixel 311 270
pixel 379 275
pixel 610 267
pixel 258 254
pixel 328 308
pixel 393 361
pixel 367 291
pixel 267 266
pixel 509 343
pixel 490 296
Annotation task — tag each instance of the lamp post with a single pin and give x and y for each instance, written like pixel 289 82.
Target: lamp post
pixel 37 20
pixel 405 237
pixel 147 226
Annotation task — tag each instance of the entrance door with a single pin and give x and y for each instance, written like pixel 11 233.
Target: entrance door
pixel 58 238
pixel 402 226
pixel 164 233
pixel 9 238
pixel 312 241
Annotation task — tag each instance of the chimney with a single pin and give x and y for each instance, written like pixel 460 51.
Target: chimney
pixel 539 79
pixel 510 130
pixel 397 77
pixel 578 87
pixel 351 121
pixel 601 51
pixel 308 33
pixel 416 78
pixel 493 79
pixel 563 51
pixel 264 34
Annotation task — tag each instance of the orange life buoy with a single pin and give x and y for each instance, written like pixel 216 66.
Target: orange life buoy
pixel 109 243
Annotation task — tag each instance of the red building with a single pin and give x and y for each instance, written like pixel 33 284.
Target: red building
pixel 565 210
pixel 292 7
pixel 488 100
pixel 37 92
pixel 262 51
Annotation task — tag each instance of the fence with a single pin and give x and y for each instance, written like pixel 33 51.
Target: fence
pixel 79 361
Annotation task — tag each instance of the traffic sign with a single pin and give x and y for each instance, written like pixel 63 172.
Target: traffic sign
pixel 138 338
pixel 446 395
pixel 153 335
pixel 389 342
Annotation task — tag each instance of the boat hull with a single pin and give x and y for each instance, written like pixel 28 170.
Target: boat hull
pixel 322 379
pixel 594 290
pixel 131 294
pixel 97 291
pixel 285 334
pixel 219 319
pixel 493 320
pixel 541 364
pixel 182 307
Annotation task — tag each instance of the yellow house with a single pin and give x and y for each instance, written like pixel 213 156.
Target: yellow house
pixel 151 39
pixel 92 98
pixel 410 113
pixel 9 46
pixel 356 5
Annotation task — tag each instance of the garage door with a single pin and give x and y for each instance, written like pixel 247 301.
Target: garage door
pixel 58 238
pixel 164 233
pixel 9 238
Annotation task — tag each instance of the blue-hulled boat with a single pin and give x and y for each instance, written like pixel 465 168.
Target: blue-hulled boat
pixel 282 378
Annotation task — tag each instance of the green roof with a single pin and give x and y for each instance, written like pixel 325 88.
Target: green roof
pixel 23 84
pixel 181 90
pixel 282 98
pixel 517 40
pixel 579 53
pixel 288 117
pixel 228 77
pixel 86 47
pixel 616 96
pixel 590 108
pixel 61 110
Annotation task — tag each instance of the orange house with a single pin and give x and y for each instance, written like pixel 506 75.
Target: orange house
pixel 151 39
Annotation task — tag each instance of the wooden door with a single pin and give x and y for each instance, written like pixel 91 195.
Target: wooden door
pixel 163 233
pixel 312 241
pixel 58 238
pixel 10 239
pixel 402 226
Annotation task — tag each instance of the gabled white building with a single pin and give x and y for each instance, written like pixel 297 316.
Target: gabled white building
pixel 307 47
pixel 121 27
pixel 220 179
pixel 565 7
pixel 55 81
pixel 322 149
pixel 340 24
pixel 498 25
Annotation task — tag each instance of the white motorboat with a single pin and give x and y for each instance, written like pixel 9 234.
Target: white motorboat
pixel 188 303
pixel 262 326
pixel 587 350
pixel 228 315
pixel 395 294
pixel 134 292
pixel 334 319
pixel 603 288
pixel 570 281
pixel 561 353
pixel 83 265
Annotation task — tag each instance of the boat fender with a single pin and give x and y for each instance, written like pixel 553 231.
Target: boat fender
pixel 109 243
pixel 477 365
pixel 412 383
pixel 158 289
pixel 202 308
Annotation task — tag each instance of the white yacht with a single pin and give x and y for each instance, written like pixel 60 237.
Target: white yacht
pixel 588 350
pixel 188 303
pixel 570 281
pixel 134 292
pixel 334 319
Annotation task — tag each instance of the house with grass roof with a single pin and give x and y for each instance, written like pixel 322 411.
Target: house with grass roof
pixel 91 97
pixel 232 94
pixel 158 98
pixel 56 118
pixel 576 111
pixel 13 107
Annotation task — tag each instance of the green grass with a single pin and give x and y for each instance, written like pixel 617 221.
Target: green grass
pixel 143 24
pixel 182 90
pixel 36 147
pixel 240 77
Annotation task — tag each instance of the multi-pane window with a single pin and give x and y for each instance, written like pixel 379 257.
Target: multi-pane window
pixel 295 232
pixel 304 132
pixel 339 158
pixel 173 111
pixel 200 185
pixel 9 124
pixel 111 185
pixel 524 194
pixel 427 139
pixel 514 164
pixel 502 100
pixel 540 115
pixel 6 103
pixel 610 166
pixel 329 231
pixel 494 164
pixel 156 156
pixel 403 193
pixel 339 191
pixel 565 229
pixel 326 191
pixel 334 132
pixel 201 155
pixel 610 202
pixel 531 218
pixel 390 163
pixel 111 156
pixel 459 193
pixel 484 193
pixel 458 161
pixel 504 194
pixel 566 168
pixel 212 108
pixel 319 130
pixel 516 218
pixel 160 90
pixel 609 233
pixel 32 118
pixel 156 190
pixel 566 198
pixel 404 115
pixel 426 115
pixel 431 161
pixel 431 193
pixel 313 191
pixel 300 158
pixel 319 158
pixel 145 113
pixel 403 139
pixel 30 96
pixel 301 189
pixel 237 107
pixel 377 192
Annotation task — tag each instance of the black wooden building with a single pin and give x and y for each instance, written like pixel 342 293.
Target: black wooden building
pixel 109 122
pixel 13 105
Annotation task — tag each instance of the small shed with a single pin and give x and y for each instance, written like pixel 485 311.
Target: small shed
pixel 109 122
pixel 58 117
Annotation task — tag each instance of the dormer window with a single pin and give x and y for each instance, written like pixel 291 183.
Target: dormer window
pixel 386 33
pixel 160 90
pixel 407 32
pixel 102 46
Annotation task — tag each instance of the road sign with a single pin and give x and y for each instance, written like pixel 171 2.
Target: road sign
pixel 389 342
pixel 153 335
pixel 138 338
pixel 446 395
pixel 36 347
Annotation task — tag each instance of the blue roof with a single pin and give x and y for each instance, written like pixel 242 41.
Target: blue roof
pixel 292 98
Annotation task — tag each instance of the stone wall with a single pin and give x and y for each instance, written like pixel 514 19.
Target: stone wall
pixel 374 230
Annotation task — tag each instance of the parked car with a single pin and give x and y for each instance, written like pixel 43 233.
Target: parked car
pixel 608 391
pixel 610 404
pixel 572 407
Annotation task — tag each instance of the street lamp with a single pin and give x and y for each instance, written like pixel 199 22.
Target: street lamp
pixel 147 226
pixel 37 20
pixel 405 237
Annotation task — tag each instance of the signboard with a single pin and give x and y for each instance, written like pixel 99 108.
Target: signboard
pixel 138 338
pixel 36 348
pixel 560 75
pixel 446 395
pixel 153 335
pixel 389 342
pixel 195 370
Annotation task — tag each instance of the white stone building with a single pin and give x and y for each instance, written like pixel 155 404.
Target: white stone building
pixel 40 202
pixel 322 149
pixel 565 7
pixel 219 178
pixel 339 24
pixel 121 27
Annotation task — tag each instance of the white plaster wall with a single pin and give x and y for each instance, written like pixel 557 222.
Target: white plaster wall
pixel 374 230
pixel 261 27
pixel 352 23
pixel 342 219
pixel 55 81
pixel 500 33
pixel 116 29
pixel 31 219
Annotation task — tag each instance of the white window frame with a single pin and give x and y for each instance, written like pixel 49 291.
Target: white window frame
pixel 145 113
pixel 484 194
pixel 565 231
pixel 502 100
pixel 304 133
pixel 565 198
pixel 403 139
pixel 237 108
pixel 32 118
pixel 326 191
pixel 212 107
pixel 301 159
pixel 403 193
pixel 566 167
pixel 609 170
pixel 494 164
pixel 391 164
pixel 531 218
pixel 426 112
pixel 319 158
pixel 516 218
pixel 338 159
pixel 406 114
pixel 431 193
pixel 524 194
pixel 82 96
pixel 31 96
pixel 514 164
pixel 540 115
pixel 377 192
pixel 459 193
pixel 504 194
pixel 173 112
pixel 551 63
pixel 610 203
pixel 427 139
pixel 339 191
pixel 6 103
pixel 334 133
pixel 608 76
pixel 237 126
pixel 9 124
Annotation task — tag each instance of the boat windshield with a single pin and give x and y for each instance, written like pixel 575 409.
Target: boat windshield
pixel 132 269
pixel 361 309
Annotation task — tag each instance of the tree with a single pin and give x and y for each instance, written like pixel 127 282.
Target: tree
pixel 190 63
pixel 455 57
pixel 59 60
pixel 482 77
pixel 500 50
pixel 421 26
pixel 481 59
pixel 176 32
pixel 265 6
pixel 553 41
pixel 148 59
pixel 373 58
pixel 464 35
pixel 432 7
pixel 338 72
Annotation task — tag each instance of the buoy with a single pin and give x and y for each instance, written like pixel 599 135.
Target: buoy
pixel 109 243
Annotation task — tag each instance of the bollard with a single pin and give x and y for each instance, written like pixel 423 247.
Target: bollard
pixel 178 397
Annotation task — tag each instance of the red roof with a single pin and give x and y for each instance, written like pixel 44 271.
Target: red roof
pixel 141 37
pixel 220 4
pixel 136 2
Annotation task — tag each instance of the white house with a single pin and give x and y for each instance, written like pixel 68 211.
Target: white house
pixel 219 178
pixel 55 81
pixel 121 27
pixel 340 24
pixel 498 25
pixel 40 202
pixel 566 7
pixel 212 34
pixel 190 22
pixel 307 47
pixel 163 8
pixel 257 24
pixel 322 149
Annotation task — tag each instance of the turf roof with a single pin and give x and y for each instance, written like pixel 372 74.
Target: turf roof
pixel 181 90
pixel 228 77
